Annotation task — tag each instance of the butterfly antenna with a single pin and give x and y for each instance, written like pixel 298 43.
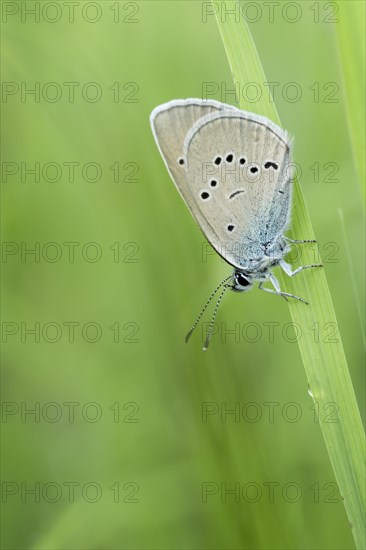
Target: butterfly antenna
pixel 209 332
pixel 205 307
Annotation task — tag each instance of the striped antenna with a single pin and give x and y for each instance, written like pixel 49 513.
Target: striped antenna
pixel 205 307
pixel 209 332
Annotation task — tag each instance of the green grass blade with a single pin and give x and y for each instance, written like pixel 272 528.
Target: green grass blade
pixel 351 52
pixel 325 362
pixel 351 268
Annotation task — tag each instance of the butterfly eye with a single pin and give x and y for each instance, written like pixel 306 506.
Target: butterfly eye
pixel 205 195
pixel 241 280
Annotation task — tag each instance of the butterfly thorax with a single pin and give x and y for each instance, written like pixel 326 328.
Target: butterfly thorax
pixel 259 268
pixel 263 255
pixel 274 251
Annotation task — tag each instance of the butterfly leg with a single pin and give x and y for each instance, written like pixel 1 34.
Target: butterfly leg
pixel 276 285
pixel 278 290
pixel 300 241
pixel 287 268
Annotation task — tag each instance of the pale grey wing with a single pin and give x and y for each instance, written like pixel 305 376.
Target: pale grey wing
pixel 236 168
pixel 170 124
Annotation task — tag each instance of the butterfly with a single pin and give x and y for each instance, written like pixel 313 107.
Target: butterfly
pixel 233 170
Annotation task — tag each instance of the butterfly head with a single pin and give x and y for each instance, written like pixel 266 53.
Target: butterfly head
pixel 241 281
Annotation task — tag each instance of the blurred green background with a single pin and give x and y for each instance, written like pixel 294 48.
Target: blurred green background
pixel 121 403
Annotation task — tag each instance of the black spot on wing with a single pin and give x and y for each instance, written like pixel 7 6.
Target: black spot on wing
pixel 271 164
pixel 237 192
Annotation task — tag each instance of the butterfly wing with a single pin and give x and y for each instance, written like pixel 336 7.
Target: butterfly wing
pixel 170 124
pixel 237 171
